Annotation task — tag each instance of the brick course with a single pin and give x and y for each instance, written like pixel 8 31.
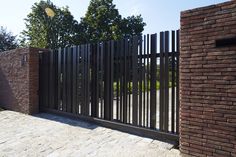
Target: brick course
pixel 19 80
pixel 208 81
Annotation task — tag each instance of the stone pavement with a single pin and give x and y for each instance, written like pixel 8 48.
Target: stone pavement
pixel 53 136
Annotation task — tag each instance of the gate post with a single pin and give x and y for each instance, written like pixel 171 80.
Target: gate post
pixel 19 79
pixel 208 81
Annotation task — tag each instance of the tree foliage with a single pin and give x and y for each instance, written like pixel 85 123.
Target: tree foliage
pixel 102 21
pixel 7 40
pixel 132 25
pixel 49 32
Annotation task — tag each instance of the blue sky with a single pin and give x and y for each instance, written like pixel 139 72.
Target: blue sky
pixel 160 15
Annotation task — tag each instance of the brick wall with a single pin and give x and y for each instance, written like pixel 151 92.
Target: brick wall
pixel 33 80
pixel 208 81
pixel 19 80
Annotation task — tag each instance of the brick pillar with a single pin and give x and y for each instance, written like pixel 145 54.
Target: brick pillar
pixel 208 81
pixel 33 80
pixel 19 80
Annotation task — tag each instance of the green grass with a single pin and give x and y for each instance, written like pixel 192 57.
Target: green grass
pixel 145 87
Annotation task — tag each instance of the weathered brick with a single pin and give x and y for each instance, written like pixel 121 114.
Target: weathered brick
pixel 19 80
pixel 210 105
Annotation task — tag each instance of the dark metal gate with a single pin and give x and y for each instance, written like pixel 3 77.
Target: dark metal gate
pixel 128 84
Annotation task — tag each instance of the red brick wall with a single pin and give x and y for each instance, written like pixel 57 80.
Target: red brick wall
pixel 19 80
pixel 33 80
pixel 208 81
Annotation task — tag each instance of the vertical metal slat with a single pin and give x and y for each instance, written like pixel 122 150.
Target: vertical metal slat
pixel 153 81
pixel 177 83
pixel 135 80
pixel 173 82
pixel 166 107
pixel 161 101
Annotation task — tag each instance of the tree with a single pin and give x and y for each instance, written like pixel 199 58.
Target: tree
pixel 46 31
pixel 102 21
pixel 132 25
pixel 7 40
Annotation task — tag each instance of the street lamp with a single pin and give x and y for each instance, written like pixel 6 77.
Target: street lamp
pixel 50 13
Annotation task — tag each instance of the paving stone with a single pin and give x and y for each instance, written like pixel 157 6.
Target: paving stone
pixel 54 136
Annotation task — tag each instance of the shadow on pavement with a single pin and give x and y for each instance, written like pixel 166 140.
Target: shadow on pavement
pixel 65 120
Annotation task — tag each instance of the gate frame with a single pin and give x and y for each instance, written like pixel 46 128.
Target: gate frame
pixel 152 132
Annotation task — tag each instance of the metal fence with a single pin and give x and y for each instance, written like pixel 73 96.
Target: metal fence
pixel 131 84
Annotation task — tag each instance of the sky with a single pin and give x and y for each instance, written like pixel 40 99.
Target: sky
pixel 159 15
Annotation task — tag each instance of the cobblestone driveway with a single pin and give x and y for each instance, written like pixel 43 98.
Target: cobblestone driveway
pixel 53 136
